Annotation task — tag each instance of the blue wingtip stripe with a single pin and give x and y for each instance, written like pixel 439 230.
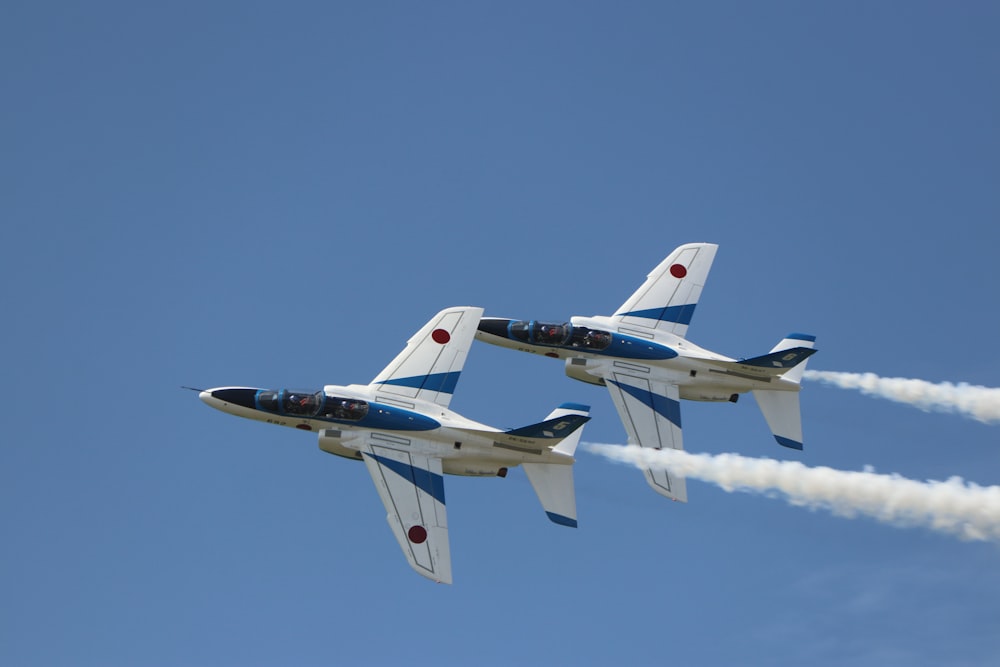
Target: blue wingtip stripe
pixel 802 336
pixel 575 406
pixel 788 442
pixel 561 520
pixel 426 480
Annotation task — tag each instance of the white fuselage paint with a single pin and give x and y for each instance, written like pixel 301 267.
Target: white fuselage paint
pixel 700 374
pixel 465 447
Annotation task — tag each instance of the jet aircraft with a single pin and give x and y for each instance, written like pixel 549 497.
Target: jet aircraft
pixel 642 356
pixel 401 427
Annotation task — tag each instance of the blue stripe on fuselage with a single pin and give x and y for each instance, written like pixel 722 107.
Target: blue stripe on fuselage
pixel 622 346
pixel 391 418
pixel 630 347
pixel 428 481
pixel 443 382
pixel 662 405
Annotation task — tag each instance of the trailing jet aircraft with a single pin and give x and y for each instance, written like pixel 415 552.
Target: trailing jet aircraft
pixel 401 427
pixel 641 354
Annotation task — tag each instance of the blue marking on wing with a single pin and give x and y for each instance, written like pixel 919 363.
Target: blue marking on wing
pixel 788 442
pixel 561 520
pixel 662 405
pixel 426 480
pixel 443 382
pixel 676 314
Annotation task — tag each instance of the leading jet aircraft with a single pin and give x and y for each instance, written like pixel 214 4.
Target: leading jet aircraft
pixel 401 427
pixel 642 356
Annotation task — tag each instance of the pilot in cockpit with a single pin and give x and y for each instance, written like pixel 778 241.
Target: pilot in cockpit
pixel 552 333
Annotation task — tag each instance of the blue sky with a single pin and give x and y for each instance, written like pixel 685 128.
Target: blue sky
pixel 281 194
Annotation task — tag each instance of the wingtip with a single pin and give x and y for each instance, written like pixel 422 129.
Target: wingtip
pixel 788 442
pixel 561 520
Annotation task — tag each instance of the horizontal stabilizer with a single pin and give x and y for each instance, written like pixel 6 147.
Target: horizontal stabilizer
pixel 553 484
pixel 781 410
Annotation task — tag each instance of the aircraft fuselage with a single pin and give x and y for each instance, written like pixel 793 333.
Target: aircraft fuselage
pixel 343 416
pixel 592 345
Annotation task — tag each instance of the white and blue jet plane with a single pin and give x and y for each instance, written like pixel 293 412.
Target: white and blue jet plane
pixel 642 356
pixel 401 427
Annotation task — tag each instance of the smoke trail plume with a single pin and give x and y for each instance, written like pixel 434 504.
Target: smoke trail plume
pixel 980 403
pixel 955 507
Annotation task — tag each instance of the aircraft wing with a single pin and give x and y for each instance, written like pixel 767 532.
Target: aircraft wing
pixel 667 299
pixel 651 413
pixel 429 366
pixel 411 486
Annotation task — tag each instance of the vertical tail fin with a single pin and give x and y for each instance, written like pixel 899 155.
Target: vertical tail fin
pixel 569 443
pixel 553 482
pixel 781 408
pixel 795 340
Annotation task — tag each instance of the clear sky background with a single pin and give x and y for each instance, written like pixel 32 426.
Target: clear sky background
pixel 280 194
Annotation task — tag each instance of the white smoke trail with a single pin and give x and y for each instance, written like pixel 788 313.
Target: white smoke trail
pixel 980 403
pixel 959 508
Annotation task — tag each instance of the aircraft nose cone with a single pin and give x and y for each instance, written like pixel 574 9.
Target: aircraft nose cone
pixel 241 396
pixel 496 326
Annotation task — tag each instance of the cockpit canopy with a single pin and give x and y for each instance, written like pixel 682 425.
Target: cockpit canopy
pixel 559 334
pixel 309 404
